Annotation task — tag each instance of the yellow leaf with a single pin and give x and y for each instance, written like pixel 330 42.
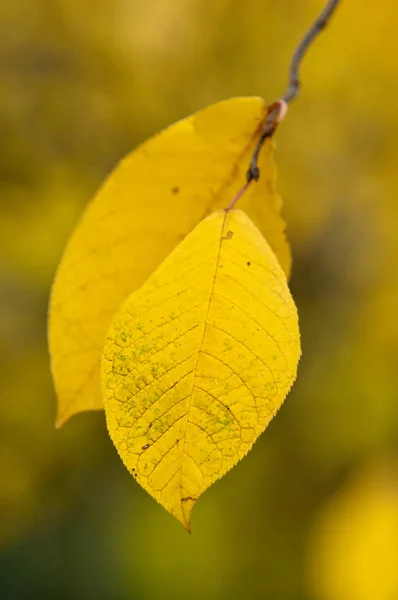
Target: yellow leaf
pixel 151 201
pixel 199 359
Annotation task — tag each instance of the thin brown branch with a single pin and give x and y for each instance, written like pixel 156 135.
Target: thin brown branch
pixel 277 110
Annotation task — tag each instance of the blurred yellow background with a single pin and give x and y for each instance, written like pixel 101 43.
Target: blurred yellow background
pixel 312 512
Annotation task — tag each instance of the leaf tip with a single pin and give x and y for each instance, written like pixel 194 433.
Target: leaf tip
pixel 62 417
pixel 187 505
pixel 59 422
pixel 187 527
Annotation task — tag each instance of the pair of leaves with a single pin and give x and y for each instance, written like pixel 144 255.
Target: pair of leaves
pixel 197 360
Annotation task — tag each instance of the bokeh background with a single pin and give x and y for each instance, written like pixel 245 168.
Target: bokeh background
pixel 312 512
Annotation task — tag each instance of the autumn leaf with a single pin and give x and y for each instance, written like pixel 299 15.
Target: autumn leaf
pixel 199 359
pixel 147 206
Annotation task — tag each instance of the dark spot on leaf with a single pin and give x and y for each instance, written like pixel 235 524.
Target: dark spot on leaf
pixel 248 263
pixel 145 447
pixel 229 235
pixel 175 189
pixel 188 498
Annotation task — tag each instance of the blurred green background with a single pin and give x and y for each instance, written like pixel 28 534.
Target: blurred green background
pixel 312 512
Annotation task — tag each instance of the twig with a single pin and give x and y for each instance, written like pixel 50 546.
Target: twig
pixel 277 111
